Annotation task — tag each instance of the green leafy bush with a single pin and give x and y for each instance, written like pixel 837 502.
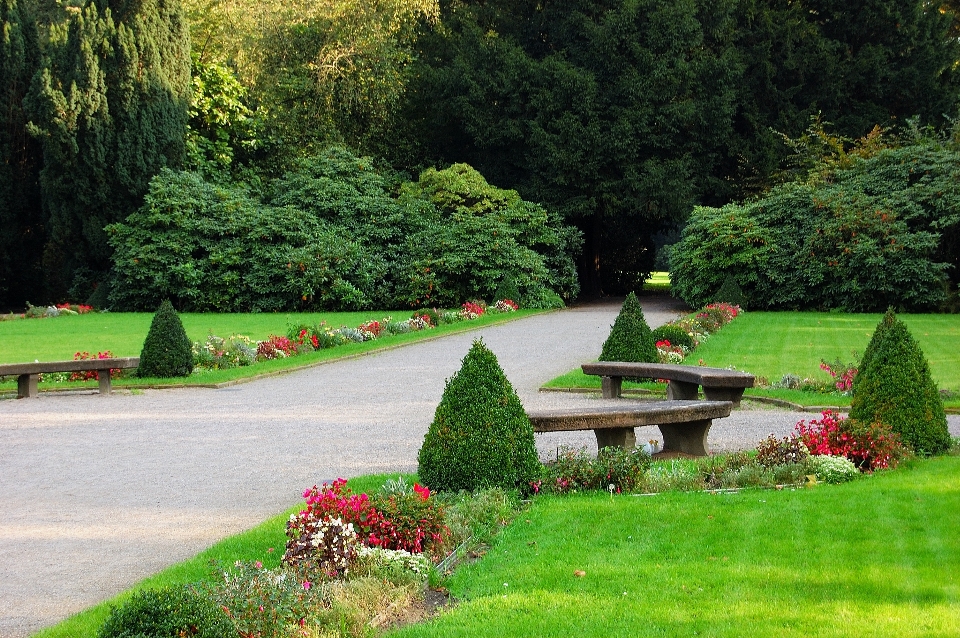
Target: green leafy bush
pixel 507 289
pixel 480 435
pixel 171 612
pixel 614 469
pixel 630 337
pixel 216 249
pixel 167 352
pixel 676 335
pixel 878 231
pixel 894 386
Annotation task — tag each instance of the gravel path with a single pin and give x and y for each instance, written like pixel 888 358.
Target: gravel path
pixel 97 493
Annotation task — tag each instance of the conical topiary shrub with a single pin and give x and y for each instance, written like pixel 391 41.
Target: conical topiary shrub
pixel 507 289
pixel 166 350
pixel 480 436
pixel 731 293
pixel 893 386
pixel 630 337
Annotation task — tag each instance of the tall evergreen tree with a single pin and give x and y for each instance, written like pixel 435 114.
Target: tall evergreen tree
pixel 21 239
pixel 110 108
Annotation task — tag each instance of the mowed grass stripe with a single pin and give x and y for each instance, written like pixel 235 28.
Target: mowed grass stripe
pixel 879 557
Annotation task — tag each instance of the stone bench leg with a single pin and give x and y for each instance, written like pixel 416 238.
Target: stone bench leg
pixel 616 437
pixel 611 387
pixel 723 394
pixel 682 391
pixel 27 386
pixel 690 438
pixel 104 378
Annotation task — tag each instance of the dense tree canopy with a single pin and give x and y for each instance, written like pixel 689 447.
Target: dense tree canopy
pixel 618 116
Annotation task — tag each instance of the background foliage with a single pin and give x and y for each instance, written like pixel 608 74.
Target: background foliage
pixel 862 232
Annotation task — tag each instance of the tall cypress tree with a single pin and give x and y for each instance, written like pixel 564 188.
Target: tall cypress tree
pixel 20 215
pixel 110 106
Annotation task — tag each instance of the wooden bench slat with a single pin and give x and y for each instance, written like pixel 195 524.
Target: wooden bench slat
pixel 637 415
pixel 714 377
pixel 16 369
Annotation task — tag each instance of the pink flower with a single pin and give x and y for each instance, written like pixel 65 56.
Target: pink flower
pixel 307 585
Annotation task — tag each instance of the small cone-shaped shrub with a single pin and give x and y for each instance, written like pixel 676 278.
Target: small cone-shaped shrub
pixel 507 289
pixel 894 386
pixel 480 436
pixel 731 293
pixel 630 337
pixel 166 350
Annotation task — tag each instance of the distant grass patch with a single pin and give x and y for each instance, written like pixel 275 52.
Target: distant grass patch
pixel 880 555
pixel 658 282
pixel 773 344
pixel 59 338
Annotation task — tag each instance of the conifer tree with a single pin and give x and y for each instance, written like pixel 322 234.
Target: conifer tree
pixel 630 337
pixel 110 107
pixel 480 436
pixel 167 351
pixel 894 386
pixel 21 221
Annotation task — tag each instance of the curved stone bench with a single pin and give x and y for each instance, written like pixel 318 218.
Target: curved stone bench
pixel 683 381
pixel 28 374
pixel 683 424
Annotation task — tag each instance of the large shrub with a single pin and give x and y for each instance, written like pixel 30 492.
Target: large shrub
pixel 338 232
pixel 875 231
pixel 167 352
pixel 479 234
pixel 630 338
pixel 170 612
pixel 893 386
pixel 217 249
pixel 480 435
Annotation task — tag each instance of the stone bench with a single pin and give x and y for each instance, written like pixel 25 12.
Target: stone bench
pixel 683 424
pixel 683 381
pixel 28 374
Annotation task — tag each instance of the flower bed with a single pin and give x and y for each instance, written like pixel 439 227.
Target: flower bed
pixel 41 312
pixel 697 327
pixel 223 353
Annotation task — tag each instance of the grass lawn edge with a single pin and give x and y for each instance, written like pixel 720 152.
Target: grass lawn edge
pixel 125 384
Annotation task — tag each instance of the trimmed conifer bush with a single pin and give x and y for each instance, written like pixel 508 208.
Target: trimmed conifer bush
pixel 630 337
pixel 166 350
pixel 894 386
pixel 731 293
pixel 168 613
pixel 507 289
pixel 480 436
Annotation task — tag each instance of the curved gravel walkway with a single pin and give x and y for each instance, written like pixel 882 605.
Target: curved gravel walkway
pixel 97 493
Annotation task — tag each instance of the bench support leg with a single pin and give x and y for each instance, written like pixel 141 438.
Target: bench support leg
pixel 723 394
pixel 104 377
pixel 27 386
pixel 681 391
pixel 616 437
pixel 689 438
pixel 611 387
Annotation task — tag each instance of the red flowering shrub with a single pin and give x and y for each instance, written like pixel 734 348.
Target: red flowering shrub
pixel 870 446
pixel 91 375
pixel 373 327
pixel 410 522
pixel 472 310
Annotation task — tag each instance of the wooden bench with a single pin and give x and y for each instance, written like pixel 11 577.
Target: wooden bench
pixel 683 424
pixel 683 381
pixel 28 374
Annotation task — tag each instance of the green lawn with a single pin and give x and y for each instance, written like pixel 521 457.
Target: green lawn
pixel 772 344
pixel 59 338
pixel 877 557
